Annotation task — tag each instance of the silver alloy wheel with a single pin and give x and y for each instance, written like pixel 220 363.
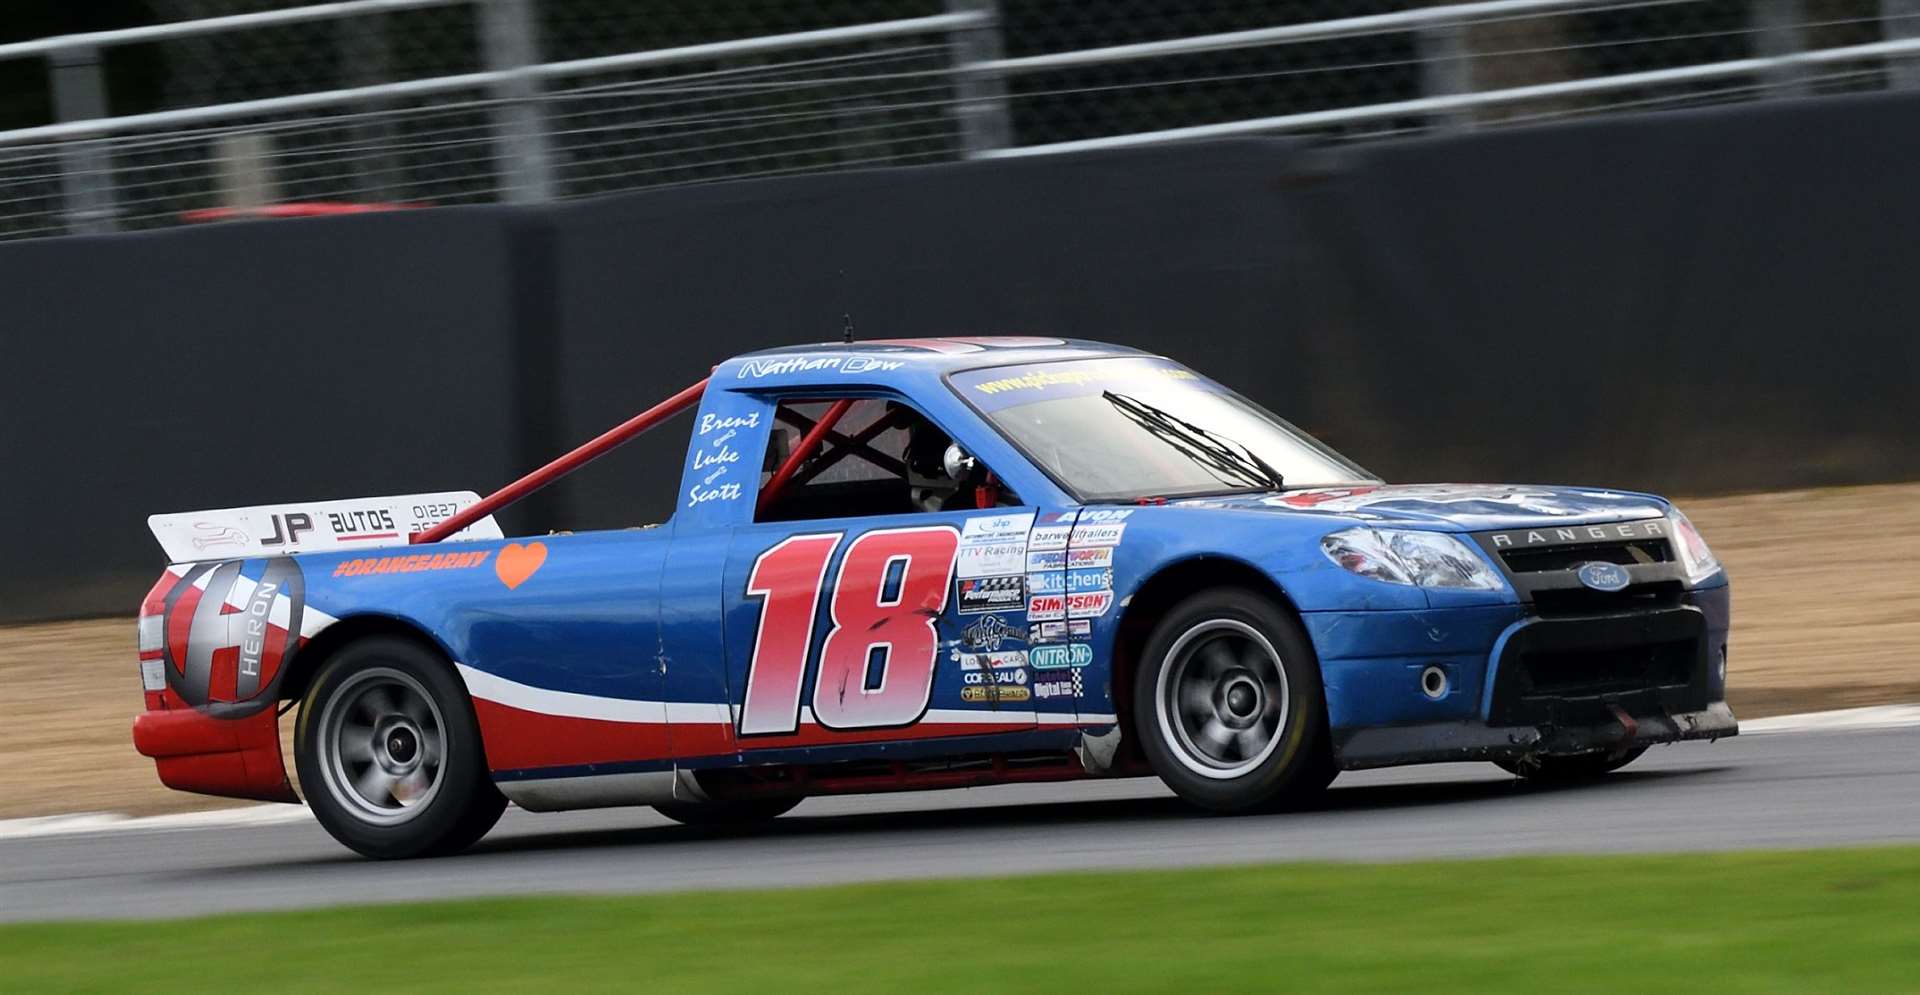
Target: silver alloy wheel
pixel 1223 698
pixel 383 746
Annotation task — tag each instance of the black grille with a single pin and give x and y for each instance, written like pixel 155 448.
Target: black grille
pixel 1574 669
pixel 1626 553
pixel 1626 668
pixel 1577 600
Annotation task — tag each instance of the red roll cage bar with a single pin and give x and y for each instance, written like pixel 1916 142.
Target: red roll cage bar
pixel 605 442
pixel 621 433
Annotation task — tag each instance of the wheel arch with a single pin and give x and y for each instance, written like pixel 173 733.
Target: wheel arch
pixel 1149 602
pixel 298 675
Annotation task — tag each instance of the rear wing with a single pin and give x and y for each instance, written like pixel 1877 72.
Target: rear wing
pixel 314 526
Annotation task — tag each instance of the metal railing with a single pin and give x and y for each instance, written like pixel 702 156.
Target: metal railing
pixel 915 89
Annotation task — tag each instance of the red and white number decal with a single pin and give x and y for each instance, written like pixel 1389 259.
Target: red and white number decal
pixel 787 579
pixel 869 616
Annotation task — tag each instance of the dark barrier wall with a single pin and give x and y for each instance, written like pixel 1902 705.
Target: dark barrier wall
pixel 242 364
pixel 1195 251
pixel 1698 301
pixel 1692 302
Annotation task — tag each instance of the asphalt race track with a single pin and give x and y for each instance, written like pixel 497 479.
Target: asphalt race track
pixel 1785 790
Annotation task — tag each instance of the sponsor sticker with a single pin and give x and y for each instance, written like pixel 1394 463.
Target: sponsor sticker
pixel 1099 534
pixel 997 558
pixel 1079 628
pixel 415 563
pixel 1097 556
pixel 1090 604
pixel 989 633
pixel 1105 515
pixel 1065 657
pixel 1004 660
pixel 996 528
pixel 1049 631
pixel 1012 677
pixel 1045 537
pixel 1047 608
pixel 1064 687
pixel 1044 560
pixel 1070 582
pixel 995 692
pixel 1082 581
pixel 981 595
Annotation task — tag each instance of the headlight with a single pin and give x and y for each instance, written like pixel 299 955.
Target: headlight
pixel 1426 559
pixel 1695 558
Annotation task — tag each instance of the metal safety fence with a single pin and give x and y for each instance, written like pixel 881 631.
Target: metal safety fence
pixel 229 108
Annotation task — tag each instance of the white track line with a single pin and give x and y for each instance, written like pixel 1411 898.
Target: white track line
pixel 83 823
pixel 108 822
pixel 1875 717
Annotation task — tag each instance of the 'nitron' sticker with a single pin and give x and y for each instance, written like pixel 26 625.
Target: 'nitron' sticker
pixel 1060 657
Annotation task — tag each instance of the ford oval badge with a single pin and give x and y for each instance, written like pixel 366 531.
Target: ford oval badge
pixel 1604 576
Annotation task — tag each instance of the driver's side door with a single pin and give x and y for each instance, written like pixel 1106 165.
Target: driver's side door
pixel 871 599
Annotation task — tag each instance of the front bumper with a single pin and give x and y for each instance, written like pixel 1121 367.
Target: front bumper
pixel 1445 742
pixel 1523 681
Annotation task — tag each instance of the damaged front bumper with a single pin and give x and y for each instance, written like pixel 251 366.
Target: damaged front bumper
pixel 1520 682
pixel 1446 742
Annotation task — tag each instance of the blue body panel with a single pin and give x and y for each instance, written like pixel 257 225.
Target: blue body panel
pixel 632 650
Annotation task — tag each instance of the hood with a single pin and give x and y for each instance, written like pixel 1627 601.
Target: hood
pixel 1455 507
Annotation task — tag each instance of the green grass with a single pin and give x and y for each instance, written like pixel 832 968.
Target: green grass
pixel 1814 921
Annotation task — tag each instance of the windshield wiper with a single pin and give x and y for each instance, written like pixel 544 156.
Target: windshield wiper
pixel 1215 452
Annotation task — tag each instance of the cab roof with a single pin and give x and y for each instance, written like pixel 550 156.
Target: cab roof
pixel 892 361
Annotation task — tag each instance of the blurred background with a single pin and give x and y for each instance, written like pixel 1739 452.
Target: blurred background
pixel 265 252
pixel 135 114
pixel 261 252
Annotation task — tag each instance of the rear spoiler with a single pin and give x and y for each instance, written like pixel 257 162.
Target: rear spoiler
pixel 313 526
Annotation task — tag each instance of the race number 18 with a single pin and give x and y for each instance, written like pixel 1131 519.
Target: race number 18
pixel 892 586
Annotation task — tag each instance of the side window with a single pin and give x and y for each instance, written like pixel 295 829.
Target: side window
pixel 867 456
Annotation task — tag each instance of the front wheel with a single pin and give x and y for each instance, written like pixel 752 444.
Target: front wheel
pixel 389 753
pixel 1228 704
pixel 1569 769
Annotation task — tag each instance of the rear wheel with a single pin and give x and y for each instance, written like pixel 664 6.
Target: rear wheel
pixel 1577 767
pixel 389 753
pixel 1228 705
pixel 727 813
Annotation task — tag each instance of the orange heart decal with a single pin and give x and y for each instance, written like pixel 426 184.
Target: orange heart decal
pixel 516 563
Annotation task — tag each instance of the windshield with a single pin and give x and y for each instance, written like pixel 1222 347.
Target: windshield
pixel 1126 428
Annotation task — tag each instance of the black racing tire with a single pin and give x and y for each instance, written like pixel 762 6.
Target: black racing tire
pixel 1570 769
pixel 387 718
pixel 1228 704
pixel 742 812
